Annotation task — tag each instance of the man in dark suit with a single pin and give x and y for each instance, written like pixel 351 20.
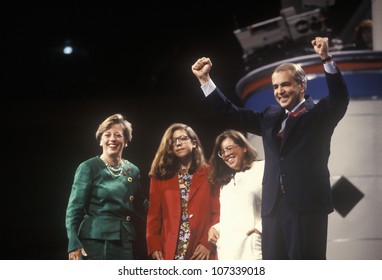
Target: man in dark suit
pixel 296 188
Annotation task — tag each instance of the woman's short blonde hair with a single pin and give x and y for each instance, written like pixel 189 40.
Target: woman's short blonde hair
pixel 112 120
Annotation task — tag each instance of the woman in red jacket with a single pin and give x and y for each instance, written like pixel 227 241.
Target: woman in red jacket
pixel 183 205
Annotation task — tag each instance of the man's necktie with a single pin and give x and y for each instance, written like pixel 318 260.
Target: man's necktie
pixel 281 131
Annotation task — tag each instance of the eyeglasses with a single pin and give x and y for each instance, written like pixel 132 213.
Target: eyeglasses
pixel 181 139
pixel 229 148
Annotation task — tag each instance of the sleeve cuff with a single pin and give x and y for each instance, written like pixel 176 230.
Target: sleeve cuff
pixel 208 87
pixel 330 67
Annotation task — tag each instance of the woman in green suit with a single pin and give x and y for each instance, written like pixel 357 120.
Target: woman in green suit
pixel 100 215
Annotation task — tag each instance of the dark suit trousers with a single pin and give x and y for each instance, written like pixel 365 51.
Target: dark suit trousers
pixel 288 234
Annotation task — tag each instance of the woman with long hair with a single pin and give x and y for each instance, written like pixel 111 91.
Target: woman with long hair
pixel 236 169
pixel 183 205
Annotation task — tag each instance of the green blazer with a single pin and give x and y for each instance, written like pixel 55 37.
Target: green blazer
pixel 102 206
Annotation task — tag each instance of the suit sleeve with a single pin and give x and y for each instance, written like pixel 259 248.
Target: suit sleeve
pixel 334 105
pixel 215 205
pixel 154 218
pixel 78 200
pixel 215 215
pixel 241 118
pixel 141 204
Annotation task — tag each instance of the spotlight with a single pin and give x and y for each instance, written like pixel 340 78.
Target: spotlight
pixel 68 48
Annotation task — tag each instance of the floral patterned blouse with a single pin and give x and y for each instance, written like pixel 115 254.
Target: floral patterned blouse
pixel 184 179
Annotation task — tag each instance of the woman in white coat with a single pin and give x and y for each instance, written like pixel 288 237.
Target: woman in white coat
pixel 236 170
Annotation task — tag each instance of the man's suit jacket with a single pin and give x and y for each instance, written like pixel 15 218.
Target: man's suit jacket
pixel 301 159
pixel 164 214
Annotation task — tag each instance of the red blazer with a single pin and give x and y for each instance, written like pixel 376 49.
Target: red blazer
pixel 164 212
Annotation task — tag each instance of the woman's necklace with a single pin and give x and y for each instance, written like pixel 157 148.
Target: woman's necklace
pixel 115 171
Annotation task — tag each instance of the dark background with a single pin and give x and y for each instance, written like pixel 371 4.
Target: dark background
pixel 134 61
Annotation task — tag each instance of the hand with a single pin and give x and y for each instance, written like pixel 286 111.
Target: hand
pixel 201 69
pixel 201 253
pixel 76 254
pixel 321 46
pixel 157 255
pixel 254 230
pixel 213 235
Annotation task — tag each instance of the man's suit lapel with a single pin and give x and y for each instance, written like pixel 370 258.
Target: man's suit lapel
pixel 303 109
pixel 291 122
pixel 274 118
